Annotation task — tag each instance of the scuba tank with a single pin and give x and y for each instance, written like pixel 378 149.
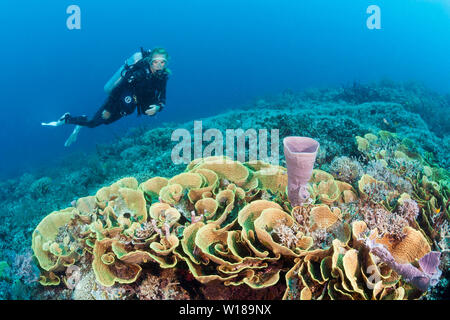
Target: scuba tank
pixel 123 71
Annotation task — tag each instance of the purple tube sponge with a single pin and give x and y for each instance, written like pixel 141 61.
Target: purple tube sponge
pixel 300 153
pixel 422 279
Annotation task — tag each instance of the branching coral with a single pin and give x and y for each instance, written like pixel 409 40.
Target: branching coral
pixel 286 235
pixel 161 288
pixel 387 223
pixel 409 210
pixel 346 169
pixel 379 170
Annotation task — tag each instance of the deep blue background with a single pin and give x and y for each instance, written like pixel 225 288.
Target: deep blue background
pixel 224 53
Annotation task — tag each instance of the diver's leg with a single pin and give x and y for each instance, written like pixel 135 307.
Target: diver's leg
pixel 73 136
pixel 85 122
pixel 111 106
pixel 91 124
pixel 80 122
pixel 59 122
pixel 96 120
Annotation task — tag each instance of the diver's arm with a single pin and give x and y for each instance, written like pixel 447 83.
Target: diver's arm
pixel 160 103
pixel 162 95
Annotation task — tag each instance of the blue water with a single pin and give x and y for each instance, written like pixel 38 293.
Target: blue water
pixel 224 54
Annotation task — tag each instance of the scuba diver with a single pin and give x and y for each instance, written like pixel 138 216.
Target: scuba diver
pixel 139 84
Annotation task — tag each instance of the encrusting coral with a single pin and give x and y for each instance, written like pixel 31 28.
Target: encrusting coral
pixel 231 223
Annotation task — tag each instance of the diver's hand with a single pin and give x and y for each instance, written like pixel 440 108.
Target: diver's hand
pixel 153 109
pixel 106 114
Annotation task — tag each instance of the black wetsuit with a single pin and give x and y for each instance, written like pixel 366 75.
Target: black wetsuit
pixel 145 90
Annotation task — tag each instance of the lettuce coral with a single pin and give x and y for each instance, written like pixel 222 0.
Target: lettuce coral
pixel 227 222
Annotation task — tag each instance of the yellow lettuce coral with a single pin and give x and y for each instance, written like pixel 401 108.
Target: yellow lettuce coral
pixel 229 222
pixel 54 241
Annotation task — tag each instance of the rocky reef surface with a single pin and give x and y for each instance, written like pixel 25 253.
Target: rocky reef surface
pixel 126 217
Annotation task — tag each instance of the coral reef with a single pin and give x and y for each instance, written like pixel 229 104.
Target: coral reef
pixel 226 223
pixel 398 164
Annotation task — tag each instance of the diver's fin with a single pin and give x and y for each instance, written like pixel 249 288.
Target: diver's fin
pixel 51 124
pixel 58 123
pixel 73 136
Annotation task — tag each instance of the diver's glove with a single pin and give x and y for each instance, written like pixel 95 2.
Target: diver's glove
pixel 58 123
pixel 73 136
pixel 152 110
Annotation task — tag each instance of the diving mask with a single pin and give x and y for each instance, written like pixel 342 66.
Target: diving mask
pixel 158 63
